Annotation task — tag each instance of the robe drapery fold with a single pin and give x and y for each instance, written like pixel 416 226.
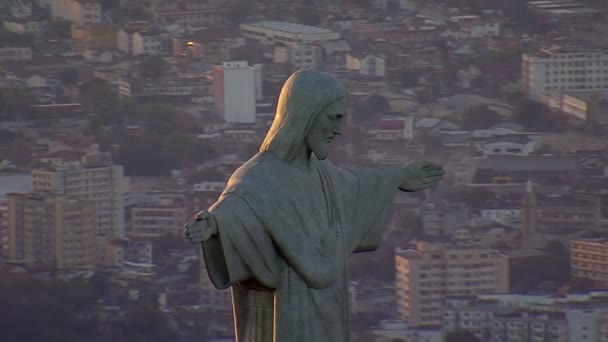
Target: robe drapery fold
pixel 292 232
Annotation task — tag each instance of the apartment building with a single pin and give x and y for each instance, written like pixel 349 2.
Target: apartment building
pixel 92 178
pixel 231 81
pixel 589 260
pixel 14 53
pixel 430 272
pixel 205 15
pixel 366 64
pixel 270 32
pixel 301 56
pixel 560 68
pixel 530 318
pixel 148 43
pixel 51 230
pixel 166 216
pixel 80 12
pixel 33 26
pixel 129 249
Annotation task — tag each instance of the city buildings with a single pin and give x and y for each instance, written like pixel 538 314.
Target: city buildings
pixel 431 272
pixel 80 12
pixel 14 53
pixel 90 178
pixel 51 230
pixel 589 260
pixel 301 56
pixel 270 32
pixel 515 318
pixel 564 69
pixel 234 91
pixel 156 219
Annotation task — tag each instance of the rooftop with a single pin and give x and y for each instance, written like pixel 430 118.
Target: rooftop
pixel 289 27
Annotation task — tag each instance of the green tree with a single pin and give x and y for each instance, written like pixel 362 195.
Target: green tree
pixel 146 323
pixel 480 117
pixel 555 248
pixel 8 38
pixel 100 98
pixel 432 144
pixel 368 108
pixel 69 76
pixel 51 310
pixel 131 12
pixel 512 92
pixel 240 10
pixel 378 103
pixel 139 153
pixel 534 116
pixel 177 149
pixel 461 336
pixel 15 103
pixel 307 13
pixel 153 66
pixel 157 118
pixel 61 29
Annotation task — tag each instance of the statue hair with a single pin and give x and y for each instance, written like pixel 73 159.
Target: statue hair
pixel 304 96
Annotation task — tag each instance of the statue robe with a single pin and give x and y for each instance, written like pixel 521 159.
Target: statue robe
pixel 292 232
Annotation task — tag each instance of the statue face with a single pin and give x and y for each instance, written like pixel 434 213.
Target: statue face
pixel 326 128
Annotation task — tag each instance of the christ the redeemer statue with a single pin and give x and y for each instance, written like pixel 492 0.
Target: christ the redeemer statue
pixel 281 233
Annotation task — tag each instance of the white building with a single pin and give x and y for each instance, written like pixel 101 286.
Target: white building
pixel 11 53
pixel 558 69
pixel 25 26
pixel 431 272
pixel 511 148
pixel 234 91
pixel 515 318
pixel 391 330
pixel 81 12
pixel 301 56
pixel 472 26
pixel 270 32
pixel 149 43
pixel 101 183
pixel 408 5
pixel 370 65
pixel 124 41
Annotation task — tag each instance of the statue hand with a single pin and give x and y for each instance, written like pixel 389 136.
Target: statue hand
pixel 419 175
pixel 201 227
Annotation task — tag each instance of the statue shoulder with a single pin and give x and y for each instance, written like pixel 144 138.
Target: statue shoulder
pixel 260 173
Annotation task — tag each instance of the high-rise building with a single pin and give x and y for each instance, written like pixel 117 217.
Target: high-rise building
pixel 529 216
pixel 81 12
pixel 426 275
pixel 165 216
pixel 91 178
pixel 234 91
pixel 589 260
pixel 51 230
pixel 570 69
pixel 513 318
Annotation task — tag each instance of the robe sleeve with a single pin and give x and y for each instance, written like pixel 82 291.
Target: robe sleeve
pixel 242 249
pixel 369 198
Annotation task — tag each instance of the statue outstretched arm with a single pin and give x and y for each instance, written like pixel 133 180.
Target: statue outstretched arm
pixel 234 244
pixel 416 175
pixel 201 227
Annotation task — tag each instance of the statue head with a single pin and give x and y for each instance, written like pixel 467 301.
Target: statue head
pixel 309 115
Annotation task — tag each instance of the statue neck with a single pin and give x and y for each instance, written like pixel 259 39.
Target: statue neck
pixel 302 160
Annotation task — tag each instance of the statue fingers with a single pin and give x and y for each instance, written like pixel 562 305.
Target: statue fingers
pixel 432 180
pixel 435 173
pixel 196 239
